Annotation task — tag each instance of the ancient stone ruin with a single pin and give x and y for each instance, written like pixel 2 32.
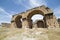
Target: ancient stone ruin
pixel 23 20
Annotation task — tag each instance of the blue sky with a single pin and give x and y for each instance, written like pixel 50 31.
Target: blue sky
pixel 11 7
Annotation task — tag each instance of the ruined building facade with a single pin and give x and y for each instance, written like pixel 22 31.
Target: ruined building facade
pixel 23 20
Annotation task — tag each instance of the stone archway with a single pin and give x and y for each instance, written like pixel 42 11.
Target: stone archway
pixel 48 18
pixel 33 13
pixel 18 21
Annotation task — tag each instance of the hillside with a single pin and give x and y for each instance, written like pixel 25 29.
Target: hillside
pixel 29 34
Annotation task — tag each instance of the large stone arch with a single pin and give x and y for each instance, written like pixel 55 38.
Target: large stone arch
pixel 33 13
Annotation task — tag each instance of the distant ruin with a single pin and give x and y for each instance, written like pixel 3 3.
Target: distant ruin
pixel 23 20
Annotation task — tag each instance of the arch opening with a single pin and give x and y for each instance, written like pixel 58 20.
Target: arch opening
pixel 40 24
pixel 38 19
pixel 39 15
pixel 18 21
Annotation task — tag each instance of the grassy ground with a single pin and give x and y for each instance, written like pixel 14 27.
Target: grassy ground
pixel 29 34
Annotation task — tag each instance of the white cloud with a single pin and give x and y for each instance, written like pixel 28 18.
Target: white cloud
pixel 57 11
pixel 4 16
pixel 35 3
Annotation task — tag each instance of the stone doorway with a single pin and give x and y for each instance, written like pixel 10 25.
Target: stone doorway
pixel 40 24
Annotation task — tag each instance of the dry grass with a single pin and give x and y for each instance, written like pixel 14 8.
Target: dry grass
pixel 29 34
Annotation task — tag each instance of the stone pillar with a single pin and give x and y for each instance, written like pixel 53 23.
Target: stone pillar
pixel 35 25
pixel 30 23
pixel 25 23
